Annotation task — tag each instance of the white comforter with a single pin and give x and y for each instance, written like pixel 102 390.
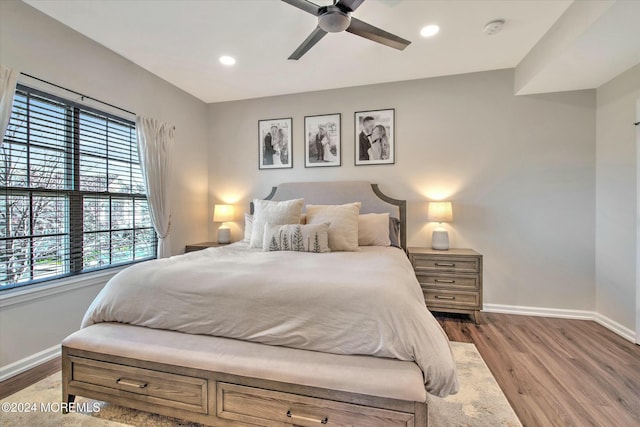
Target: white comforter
pixel 366 302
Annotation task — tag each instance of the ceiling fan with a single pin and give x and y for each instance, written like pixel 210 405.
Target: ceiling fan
pixel 336 18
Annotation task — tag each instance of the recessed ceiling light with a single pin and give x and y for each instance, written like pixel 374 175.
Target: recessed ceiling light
pixel 227 60
pixel 429 30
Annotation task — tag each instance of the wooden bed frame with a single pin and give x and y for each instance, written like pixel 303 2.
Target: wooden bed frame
pixel 167 378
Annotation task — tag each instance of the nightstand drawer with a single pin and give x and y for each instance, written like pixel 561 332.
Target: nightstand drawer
pixel 448 281
pixel 432 263
pixel 439 298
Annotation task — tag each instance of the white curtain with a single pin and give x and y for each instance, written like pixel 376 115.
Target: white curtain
pixel 8 79
pixel 155 147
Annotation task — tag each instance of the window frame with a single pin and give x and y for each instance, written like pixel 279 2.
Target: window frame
pixel 74 232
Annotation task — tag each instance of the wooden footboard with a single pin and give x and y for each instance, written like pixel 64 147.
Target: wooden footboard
pixel 220 399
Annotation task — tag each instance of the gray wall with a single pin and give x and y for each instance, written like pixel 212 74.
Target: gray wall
pixel 520 171
pixel 29 327
pixel 34 43
pixel 616 198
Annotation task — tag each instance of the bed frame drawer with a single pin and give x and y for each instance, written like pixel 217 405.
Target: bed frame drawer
pixel 162 388
pixel 272 408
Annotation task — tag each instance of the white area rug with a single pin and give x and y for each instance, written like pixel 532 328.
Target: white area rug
pixel 480 403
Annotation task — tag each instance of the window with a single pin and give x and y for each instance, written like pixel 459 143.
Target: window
pixel 71 192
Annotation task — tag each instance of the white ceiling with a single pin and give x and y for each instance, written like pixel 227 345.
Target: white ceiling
pixel 181 41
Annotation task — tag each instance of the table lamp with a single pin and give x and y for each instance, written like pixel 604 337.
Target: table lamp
pixel 440 212
pixel 223 213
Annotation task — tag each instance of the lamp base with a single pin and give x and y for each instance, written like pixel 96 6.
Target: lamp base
pixel 224 234
pixel 440 240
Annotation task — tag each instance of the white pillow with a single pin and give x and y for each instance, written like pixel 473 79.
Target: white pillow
pixel 343 231
pixel 296 237
pixel 268 211
pixel 248 227
pixel 373 230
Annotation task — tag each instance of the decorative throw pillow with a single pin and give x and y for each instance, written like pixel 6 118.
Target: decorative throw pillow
pixel 296 237
pixel 343 231
pixel 248 227
pixel 373 230
pixel 269 211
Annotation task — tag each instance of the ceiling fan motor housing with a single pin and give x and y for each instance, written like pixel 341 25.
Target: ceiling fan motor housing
pixel 333 20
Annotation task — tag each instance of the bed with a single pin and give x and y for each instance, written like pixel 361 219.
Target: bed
pixel 242 335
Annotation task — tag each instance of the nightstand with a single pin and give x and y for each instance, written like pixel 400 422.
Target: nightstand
pixel 451 280
pixel 203 245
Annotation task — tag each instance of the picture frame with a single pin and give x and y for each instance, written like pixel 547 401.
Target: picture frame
pixel 275 147
pixel 322 141
pixel 375 137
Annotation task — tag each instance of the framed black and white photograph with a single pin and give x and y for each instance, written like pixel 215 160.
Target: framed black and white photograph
pixel 374 137
pixel 274 144
pixel 322 141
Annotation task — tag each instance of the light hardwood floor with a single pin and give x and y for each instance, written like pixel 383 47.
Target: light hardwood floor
pixel 554 372
pixel 557 372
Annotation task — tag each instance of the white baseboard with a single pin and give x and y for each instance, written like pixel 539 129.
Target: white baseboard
pixel 616 327
pixel 612 325
pixel 29 362
pixel 539 311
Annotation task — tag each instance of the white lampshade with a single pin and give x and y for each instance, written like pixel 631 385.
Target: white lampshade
pixel 222 213
pixel 440 212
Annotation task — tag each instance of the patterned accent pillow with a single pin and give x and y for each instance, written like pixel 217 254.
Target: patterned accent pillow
pixel 296 237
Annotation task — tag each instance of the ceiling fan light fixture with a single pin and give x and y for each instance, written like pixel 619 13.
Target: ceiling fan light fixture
pixel 334 20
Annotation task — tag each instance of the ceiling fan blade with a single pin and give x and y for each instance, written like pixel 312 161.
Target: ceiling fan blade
pixel 349 4
pixel 305 5
pixel 362 29
pixel 309 42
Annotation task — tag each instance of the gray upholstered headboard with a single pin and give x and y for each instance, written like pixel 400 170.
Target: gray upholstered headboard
pixel 340 192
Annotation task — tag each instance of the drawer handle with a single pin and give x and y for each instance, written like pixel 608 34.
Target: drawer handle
pixel 444 281
pixel 445 264
pixel 445 297
pixel 124 382
pixel 325 420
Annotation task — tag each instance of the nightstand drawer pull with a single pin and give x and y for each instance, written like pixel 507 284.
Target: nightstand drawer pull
pixel 445 264
pixel 444 281
pixel 127 383
pixel 445 297
pixel 325 420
